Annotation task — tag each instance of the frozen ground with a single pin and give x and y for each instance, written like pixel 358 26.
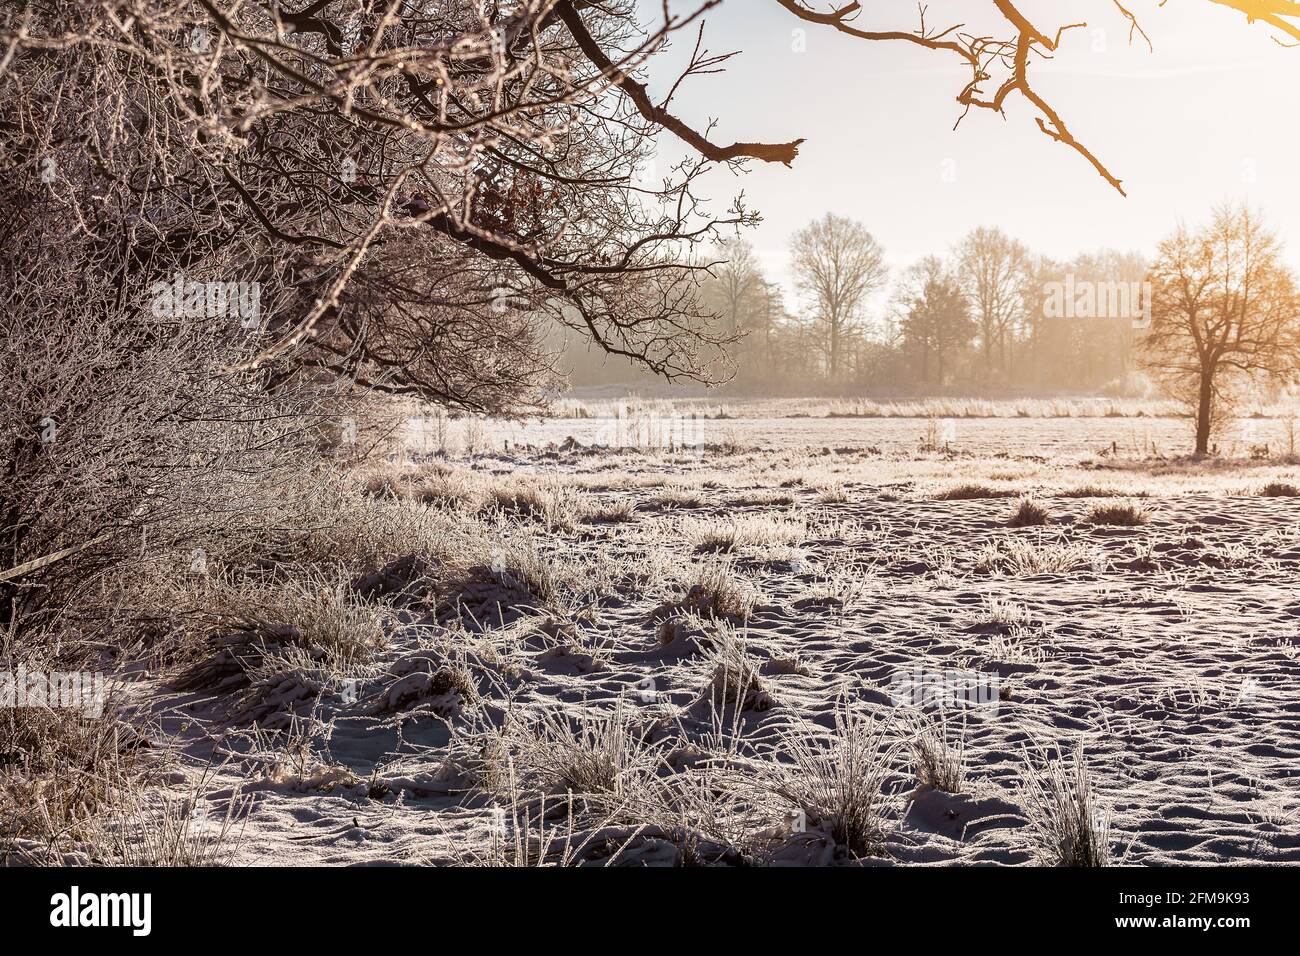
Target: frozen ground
pixel 1166 653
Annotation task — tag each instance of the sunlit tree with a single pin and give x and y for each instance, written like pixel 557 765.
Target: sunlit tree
pixel 1224 311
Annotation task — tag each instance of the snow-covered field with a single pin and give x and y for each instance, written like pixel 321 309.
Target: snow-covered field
pixel 836 651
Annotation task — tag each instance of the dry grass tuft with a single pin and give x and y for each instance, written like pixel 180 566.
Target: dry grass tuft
pixel 838 784
pixel 937 760
pixel 999 612
pixel 365 533
pixel 1019 645
pixel 1279 489
pixel 61 768
pixel 1026 558
pixel 171 831
pixel 1028 513
pixel 512 572
pixel 969 492
pixel 735 681
pixel 680 498
pixel 592 756
pixel 832 494
pixel 1128 514
pixel 313 620
pixel 728 534
pixel 1099 491
pixel 557 507
pixel 617 512
pixel 715 590
pixel 1071 827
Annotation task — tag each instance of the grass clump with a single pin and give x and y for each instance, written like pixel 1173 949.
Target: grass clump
pixel 726 535
pixel 678 497
pixel 838 784
pixel 1279 489
pixel 735 681
pixel 313 616
pixel 59 769
pixel 832 494
pixel 590 757
pixel 617 512
pixel 1026 558
pixel 1071 827
pixel 555 506
pixel 937 760
pixel 715 590
pixel 1001 613
pixel 1028 513
pixel 969 492
pixel 172 831
pixel 1018 645
pixel 1127 514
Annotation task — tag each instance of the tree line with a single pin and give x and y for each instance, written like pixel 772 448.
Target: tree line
pixel 1212 318
pixel 990 316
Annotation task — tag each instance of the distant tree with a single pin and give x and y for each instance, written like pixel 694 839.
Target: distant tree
pixel 795 358
pixel 1036 331
pixel 749 308
pixel 1224 311
pixel 838 264
pixel 992 270
pixel 767 317
pixel 1079 319
pixel 736 280
pixel 936 321
pixel 1105 344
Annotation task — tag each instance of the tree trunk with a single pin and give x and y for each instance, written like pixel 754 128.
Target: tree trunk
pixel 1204 400
pixel 835 345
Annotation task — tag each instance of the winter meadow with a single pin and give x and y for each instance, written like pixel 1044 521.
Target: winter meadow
pixel 553 433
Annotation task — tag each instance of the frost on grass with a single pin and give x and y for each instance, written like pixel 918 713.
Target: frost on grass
pixel 836 782
pixel 566 672
pixel 1127 514
pixel 1070 824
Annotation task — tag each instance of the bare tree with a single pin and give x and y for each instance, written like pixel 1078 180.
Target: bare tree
pixel 458 167
pixel 992 271
pixel 413 192
pixel 838 264
pixel 1223 309
pixel 737 278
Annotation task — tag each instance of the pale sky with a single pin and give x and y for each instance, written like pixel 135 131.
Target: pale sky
pixel 1208 116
